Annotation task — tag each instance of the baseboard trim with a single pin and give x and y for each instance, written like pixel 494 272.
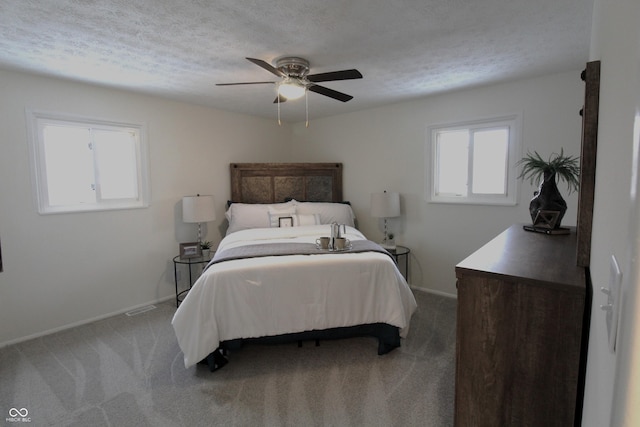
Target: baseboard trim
pixel 432 291
pixel 83 322
pixel 158 301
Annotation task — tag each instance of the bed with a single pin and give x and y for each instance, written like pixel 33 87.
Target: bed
pixel 269 281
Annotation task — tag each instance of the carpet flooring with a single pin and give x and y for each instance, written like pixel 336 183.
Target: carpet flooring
pixel 129 371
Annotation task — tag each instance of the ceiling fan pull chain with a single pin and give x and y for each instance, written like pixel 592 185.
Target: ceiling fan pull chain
pixel 306 105
pixel 279 122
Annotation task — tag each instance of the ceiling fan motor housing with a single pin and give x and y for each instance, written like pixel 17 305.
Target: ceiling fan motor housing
pixel 293 66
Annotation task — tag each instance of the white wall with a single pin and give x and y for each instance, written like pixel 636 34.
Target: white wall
pixel 68 268
pixel 615 42
pixel 384 149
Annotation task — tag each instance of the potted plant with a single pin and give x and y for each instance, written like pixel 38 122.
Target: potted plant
pixel 548 197
pixel 206 248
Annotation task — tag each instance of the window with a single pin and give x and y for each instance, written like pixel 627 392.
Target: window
pixel 474 162
pixel 84 164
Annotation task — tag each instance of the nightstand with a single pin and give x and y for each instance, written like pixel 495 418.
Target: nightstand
pixel 190 263
pixel 402 251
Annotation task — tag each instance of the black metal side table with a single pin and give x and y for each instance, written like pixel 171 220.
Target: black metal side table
pixel 190 262
pixel 402 251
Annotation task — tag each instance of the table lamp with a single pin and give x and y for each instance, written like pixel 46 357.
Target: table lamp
pixel 198 209
pixel 385 205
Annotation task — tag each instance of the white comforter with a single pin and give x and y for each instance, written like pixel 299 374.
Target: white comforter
pixel 285 294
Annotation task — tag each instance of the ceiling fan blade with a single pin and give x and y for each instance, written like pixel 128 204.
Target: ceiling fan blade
pixel 335 75
pixel 267 66
pixel 282 99
pixel 330 93
pixel 244 83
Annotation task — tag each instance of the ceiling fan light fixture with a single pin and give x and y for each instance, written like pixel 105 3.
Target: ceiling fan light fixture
pixel 291 89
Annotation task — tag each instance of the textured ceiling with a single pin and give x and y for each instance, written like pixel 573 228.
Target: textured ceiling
pixel 404 48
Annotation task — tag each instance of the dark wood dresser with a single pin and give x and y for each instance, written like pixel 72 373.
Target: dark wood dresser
pixel 519 357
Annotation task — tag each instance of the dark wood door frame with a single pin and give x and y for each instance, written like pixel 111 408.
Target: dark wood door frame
pixel 589 112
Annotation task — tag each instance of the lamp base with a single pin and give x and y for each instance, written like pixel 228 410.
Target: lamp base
pixel 388 244
pixel 388 241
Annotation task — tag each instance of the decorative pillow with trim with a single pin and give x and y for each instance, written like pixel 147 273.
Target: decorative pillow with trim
pixel 328 212
pixel 242 216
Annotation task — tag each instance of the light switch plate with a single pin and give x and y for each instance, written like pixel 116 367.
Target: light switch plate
pixel 612 308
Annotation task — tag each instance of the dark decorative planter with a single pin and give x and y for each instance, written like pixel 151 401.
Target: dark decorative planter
pixel 548 198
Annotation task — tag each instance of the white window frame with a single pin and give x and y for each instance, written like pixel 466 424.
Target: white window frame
pixel 35 122
pixel 510 198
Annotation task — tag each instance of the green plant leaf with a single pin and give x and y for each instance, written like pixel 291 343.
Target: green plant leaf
pixel 566 168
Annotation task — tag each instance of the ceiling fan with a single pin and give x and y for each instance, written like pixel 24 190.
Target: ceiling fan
pixel 296 80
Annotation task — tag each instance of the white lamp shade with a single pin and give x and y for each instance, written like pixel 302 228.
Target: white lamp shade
pixel 198 209
pixel 385 205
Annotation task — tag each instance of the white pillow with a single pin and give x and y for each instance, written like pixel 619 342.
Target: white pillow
pixel 277 212
pixel 248 215
pixel 328 212
pixel 308 219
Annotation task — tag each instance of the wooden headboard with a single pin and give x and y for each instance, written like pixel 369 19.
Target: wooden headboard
pixel 274 182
